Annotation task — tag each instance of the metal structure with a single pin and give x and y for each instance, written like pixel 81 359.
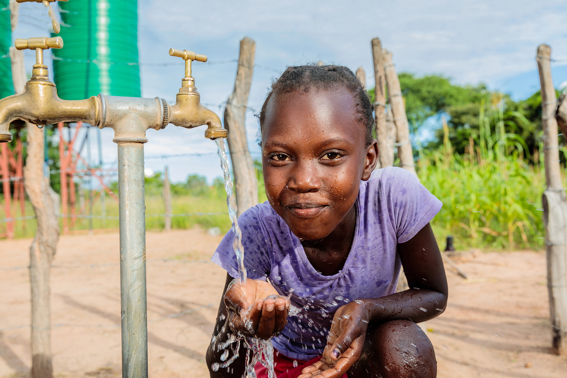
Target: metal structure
pixel 69 161
pixel 11 174
pixel 6 85
pixel 129 117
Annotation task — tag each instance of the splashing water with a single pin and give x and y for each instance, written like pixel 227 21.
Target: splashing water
pixel 232 209
pixel 258 351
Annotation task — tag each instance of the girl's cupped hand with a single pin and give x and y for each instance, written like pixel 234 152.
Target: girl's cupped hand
pixel 344 343
pixel 256 309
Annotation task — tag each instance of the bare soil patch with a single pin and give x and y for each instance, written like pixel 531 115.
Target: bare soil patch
pixel 496 325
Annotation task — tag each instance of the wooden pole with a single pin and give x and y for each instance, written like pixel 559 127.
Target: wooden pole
pixel 399 113
pixel 554 203
pixel 391 126
pixel 385 147
pixel 45 203
pixel 561 115
pixel 361 76
pixel 63 176
pixel 167 200
pixel 246 185
pixel 20 183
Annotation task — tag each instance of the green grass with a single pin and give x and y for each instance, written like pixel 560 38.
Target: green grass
pixel 185 204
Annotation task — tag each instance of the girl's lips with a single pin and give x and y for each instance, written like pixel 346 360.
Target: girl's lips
pixel 306 212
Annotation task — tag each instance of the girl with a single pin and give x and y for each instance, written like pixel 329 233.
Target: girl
pixel 330 241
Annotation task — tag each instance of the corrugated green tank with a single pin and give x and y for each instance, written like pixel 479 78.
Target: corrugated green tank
pixel 6 85
pixel 100 52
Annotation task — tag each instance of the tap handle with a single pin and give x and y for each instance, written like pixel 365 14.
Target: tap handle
pixel 39 43
pixel 185 55
pixel 188 57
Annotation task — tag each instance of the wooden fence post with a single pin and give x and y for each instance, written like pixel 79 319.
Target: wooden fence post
pixel 391 127
pixel 246 185
pixel 399 113
pixel 167 200
pixel 554 203
pixel 385 146
pixel 361 76
pixel 45 203
pixel 561 115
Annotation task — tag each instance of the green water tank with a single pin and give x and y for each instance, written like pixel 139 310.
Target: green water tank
pixel 6 85
pixel 100 52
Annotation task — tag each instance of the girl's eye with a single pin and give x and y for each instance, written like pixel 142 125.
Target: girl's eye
pixel 331 156
pixel 279 157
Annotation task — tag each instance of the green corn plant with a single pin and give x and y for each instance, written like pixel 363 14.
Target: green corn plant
pixel 492 196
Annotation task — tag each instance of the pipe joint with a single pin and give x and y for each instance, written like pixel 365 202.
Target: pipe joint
pixel 130 117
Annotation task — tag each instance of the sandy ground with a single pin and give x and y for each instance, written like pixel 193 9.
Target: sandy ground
pixel 496 324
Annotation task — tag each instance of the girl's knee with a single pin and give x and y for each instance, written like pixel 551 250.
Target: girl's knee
pixel 397 349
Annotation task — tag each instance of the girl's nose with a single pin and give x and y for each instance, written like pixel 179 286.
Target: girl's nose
pixel 304 178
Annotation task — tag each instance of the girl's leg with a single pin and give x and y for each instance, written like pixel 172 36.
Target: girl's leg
pixel 396 349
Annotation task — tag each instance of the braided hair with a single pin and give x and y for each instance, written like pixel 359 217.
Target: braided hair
pixel 303 78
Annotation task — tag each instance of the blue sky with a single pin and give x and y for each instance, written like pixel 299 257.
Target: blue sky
pixel 469 41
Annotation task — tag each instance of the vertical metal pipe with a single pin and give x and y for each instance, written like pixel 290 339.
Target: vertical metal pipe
pixel 133 260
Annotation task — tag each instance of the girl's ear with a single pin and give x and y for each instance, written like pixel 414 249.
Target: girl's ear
pixel 371 160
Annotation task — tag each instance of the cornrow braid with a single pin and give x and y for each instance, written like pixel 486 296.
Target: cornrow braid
pixel 303 78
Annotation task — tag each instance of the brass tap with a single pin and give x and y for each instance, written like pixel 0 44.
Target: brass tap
pixel 129 117
pixel 187 110
pixel 39 103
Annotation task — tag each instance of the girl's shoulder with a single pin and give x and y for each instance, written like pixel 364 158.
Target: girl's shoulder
pixel 391 178
pixel 396 196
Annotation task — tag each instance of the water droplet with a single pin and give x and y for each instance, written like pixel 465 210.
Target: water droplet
pixel 224 355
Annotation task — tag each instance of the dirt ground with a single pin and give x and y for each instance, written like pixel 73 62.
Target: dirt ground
pixel 496 324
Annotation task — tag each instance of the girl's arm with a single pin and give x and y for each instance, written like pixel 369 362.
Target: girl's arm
pixel 425 299
pixel 254 309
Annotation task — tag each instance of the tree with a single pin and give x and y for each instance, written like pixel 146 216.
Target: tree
pixel 516 123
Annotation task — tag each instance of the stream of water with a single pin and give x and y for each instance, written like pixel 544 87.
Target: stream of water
pixel 258 350
pixel 232 209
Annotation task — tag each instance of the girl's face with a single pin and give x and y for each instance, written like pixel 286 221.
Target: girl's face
pixel 314 156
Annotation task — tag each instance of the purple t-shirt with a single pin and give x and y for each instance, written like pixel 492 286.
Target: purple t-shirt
pixel 392 207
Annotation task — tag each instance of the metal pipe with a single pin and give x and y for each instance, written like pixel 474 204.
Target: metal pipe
pixel 133 260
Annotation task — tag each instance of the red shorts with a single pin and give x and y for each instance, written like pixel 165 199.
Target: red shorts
pixel 283 366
